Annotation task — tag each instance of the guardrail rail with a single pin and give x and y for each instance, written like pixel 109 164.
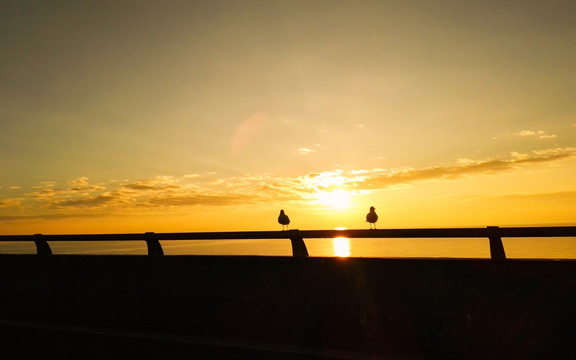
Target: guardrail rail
pixel 493 233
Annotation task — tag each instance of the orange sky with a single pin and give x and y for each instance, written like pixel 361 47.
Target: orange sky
pixel 206 115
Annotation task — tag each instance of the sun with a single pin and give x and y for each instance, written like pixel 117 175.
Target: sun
pixel 337 199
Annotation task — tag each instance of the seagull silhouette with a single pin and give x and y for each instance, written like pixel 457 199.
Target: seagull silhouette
pixel 283 220
pixel 372 217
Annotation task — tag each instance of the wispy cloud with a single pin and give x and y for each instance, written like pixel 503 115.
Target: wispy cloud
pixel 157 194
pixel 538 134
pixel 4 203
pixel 81 184
pixel 380 179
pixel 526 134
pixel 85 202
pixel 50 216
pixel 201 199
pixel 157 184
pixel 308 150
pixel 305 151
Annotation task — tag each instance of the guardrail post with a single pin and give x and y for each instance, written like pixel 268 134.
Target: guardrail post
pixel 154 246
pixel 298 245
pixel 496 248
pixel 42 246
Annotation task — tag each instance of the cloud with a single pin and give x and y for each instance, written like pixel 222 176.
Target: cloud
pixel 81 184
pixel 158 183
pixel 148 194
pixel 384 178
pixel 142 185
pixel 49 216
pixel 304 188
pixel 4 203
pixel 538 134
pixel 77 194
pixel 157 194
pixel 44 193
pixel 201 199
pixel 555 152
pixel 81 181
pixel 87 202
pixel 534 134
pixel 306 151
pixel 49 190
pixel 45 184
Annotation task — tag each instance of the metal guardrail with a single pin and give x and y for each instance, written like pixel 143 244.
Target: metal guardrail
pixel 493 233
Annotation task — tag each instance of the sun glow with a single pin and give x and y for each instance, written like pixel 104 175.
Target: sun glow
pixel 338 199
pixel 341 246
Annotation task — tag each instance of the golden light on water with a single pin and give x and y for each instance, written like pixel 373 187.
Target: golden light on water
pixel 341 246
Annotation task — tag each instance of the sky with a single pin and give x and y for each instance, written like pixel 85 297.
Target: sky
pixel 174 116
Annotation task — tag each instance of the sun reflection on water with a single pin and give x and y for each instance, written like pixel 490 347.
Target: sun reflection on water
pixel 341 246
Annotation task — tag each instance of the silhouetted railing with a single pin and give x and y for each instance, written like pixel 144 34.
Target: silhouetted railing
pixel 296 237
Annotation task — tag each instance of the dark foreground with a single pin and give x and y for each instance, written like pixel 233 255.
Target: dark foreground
pixel 120 307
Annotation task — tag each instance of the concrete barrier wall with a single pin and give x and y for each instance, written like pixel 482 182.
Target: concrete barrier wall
pixel 421 308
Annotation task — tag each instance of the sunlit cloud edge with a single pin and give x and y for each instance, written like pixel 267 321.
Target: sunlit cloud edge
pixel 160 193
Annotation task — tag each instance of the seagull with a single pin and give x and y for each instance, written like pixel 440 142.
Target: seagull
pixel 372 217
pixel 283 219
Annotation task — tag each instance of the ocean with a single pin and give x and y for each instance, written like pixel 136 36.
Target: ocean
pixel 539 248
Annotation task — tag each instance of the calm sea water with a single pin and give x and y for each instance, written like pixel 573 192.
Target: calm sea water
pixel 545 248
